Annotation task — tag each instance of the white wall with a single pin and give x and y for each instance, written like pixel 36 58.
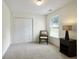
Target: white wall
pixel 38 24
pixel 67 15
pixel 5 27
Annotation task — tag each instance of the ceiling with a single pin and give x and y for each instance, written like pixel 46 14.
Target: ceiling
pixel 28 6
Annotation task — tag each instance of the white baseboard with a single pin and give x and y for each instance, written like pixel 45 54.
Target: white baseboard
pixel 6 50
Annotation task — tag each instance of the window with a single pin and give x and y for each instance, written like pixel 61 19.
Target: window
pixel 54 27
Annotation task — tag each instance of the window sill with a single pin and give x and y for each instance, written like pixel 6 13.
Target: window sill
pixel 53 37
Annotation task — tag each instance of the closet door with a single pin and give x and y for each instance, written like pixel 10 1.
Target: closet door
pixel 23 30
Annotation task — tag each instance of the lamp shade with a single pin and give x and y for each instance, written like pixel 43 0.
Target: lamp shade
pixel 67 27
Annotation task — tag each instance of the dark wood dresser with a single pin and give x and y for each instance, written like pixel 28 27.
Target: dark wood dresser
pixel 68 47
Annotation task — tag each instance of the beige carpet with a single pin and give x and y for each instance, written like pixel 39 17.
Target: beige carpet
pixel 34 51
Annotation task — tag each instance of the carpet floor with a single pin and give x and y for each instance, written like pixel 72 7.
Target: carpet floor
pixel 34 51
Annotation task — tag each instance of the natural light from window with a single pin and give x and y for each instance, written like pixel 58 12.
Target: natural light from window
pixel 54 27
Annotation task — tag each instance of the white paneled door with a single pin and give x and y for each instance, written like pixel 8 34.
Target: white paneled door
pixel 23 30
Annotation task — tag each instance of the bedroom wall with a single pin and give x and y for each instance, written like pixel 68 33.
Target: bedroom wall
pixel 6 16
pixel 67 15
pixel 38 24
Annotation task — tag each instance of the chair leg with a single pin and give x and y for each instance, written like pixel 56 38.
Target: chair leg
pixel 47 41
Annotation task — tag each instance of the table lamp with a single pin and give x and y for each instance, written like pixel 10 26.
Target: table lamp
pixel 67 28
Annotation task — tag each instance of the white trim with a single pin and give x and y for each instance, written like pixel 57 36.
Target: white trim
pixel 22 18
pixel 32 30
pixel 6 50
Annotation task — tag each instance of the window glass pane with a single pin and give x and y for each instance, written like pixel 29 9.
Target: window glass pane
pixel 54 33
pixel 54 27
